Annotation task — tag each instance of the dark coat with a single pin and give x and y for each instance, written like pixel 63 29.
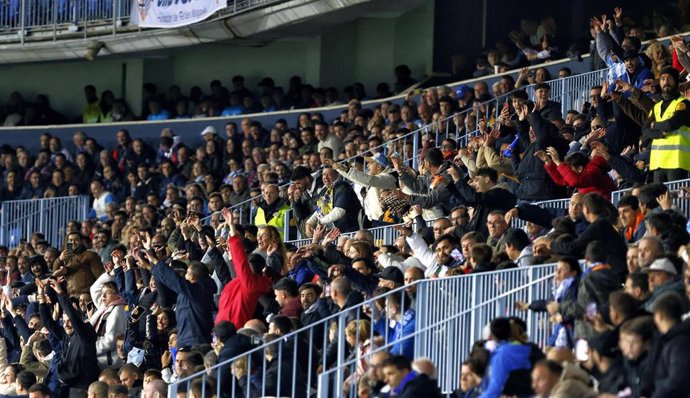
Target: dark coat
pixel 671 363
pixel 602 230
pixel 484 203
pixel 77 366
pixel 420 386
pixel 194 306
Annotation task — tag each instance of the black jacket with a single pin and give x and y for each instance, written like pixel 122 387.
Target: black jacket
pixel 194 306
pixel 671 363
pixel 635 373
pixel 602 230
pixel 484 203
pixel 234 346
pixel 594 287
pixel 420 386
pixel 78 366
pixel 535 183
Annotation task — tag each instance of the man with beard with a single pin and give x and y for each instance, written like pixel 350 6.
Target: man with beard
pixel 271 209
pixel 79 266
pixel 668 130
pixel 315 309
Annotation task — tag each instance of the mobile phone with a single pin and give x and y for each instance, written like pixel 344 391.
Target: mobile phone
pixel 582 350
pixel 69 247
pixel 591 310
pixel 457 255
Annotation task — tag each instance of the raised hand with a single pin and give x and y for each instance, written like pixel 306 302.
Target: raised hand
pixel 272 248
pixel 55 285
pixel 227 215
pixel 404 230
pixel 623 86
pixel 551 151
pixel 629 150
pixel 618 15
pixel 331 236
pixel 319 233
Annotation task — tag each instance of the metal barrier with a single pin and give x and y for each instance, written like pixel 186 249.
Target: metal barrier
pixel 451 315
pixel 21 218
pixel 680 197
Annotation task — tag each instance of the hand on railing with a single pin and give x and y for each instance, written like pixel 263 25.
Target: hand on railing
pixel 521 305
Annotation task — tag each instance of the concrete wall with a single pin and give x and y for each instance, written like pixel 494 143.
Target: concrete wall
pixel 366 50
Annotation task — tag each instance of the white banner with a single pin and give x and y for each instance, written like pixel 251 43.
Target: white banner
pixel 173 13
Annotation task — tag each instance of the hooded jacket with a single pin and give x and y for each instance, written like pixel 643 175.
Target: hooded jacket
pixel 507 358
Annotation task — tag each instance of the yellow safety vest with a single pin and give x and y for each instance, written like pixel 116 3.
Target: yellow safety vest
pixel 277 219
pixel 672 151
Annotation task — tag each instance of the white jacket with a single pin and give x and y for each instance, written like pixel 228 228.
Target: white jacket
pixel 115 323
pixel 375 184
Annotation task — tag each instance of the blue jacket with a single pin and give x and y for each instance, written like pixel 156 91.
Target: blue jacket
pixel 194 307
pixel 396 334
pixel 508 357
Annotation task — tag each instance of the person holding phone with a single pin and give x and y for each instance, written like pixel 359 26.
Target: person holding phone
pixel 79 266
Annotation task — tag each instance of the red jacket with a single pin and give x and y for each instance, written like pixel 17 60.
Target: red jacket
pixel 594 177
pixel 239 297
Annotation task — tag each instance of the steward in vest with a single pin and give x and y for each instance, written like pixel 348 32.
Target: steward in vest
pixel 668 129
pixel 272 209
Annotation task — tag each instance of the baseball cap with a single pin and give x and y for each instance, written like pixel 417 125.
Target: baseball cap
pixel 208 130
pixel 392 274
pixel 663 265
pixel 461 91
pixel 395 108
pixel 379 158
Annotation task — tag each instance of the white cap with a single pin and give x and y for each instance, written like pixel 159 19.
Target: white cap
pixel 209 130
pixel 663 265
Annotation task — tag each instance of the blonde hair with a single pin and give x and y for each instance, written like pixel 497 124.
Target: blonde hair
pixel 274 237
pixel 359 329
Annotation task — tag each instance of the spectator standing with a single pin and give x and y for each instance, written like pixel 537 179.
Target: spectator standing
pixel 74 365
pixel 79 266
pixel 667 128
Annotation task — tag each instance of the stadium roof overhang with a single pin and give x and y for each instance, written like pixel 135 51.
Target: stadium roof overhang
pixel 254 27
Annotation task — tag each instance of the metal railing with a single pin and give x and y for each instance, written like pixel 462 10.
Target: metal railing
pixel 21 218
pixel 450 314
pixel 570 91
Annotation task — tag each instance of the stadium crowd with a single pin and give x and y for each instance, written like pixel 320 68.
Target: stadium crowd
pixel 164 280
